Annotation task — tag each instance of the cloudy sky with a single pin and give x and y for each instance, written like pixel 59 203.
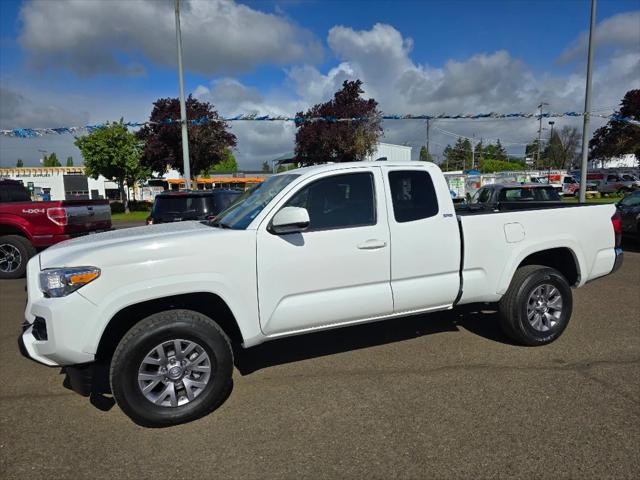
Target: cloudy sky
pixel 73 62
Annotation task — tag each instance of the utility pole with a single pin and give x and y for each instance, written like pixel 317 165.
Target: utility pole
pixel 552 123
pixel 587 109
pixel 542 104
pixel 183 108
pixel 428 119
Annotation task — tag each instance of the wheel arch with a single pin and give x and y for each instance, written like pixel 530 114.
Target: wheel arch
pixel 207 303
pixel 562 259
pixel 14 229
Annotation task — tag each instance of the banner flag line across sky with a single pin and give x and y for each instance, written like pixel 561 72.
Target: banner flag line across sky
pixel 254 117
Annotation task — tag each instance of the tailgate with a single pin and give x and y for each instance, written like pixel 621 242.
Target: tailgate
pixel 88 215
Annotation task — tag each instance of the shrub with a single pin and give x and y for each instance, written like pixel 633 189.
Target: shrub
pixel 117 207
pixel 140 206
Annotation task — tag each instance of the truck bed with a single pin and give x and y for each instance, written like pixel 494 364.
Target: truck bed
pixel 496 242
pixel 466 210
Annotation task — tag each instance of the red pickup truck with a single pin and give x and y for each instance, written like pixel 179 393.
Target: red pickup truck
pixel 27 226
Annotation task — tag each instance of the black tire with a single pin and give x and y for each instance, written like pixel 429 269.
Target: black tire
pixel 513 305
pixel 26 251
pixel 152 331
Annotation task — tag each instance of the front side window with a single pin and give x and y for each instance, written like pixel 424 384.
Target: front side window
pixel 339 201
pixel 413 195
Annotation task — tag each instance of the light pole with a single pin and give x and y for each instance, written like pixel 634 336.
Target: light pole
pixel 550 141
pixel 183 109
pixel 587 109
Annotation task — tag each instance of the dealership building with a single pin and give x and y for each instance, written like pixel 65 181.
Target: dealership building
pixel 72 183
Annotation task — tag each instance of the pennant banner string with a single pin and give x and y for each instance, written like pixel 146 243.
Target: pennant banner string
pixel 254 117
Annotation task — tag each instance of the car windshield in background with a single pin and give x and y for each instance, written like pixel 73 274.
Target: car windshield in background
pixel 529 195
pixel 239 215
pixel 184 206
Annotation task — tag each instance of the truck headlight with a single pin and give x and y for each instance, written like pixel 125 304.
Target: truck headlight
pixel 60 282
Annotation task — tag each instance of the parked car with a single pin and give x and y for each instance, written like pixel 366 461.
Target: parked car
pixel 504 196
pixel 307 250
pixel 27 226
pixel 190 205
pixel 629 177
pixel 565 184
pixel 611 182
pixel 629 208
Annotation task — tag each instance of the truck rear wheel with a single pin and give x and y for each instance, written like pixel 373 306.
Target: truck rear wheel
pixel 537 307
pixel 172 367
pixel 15 252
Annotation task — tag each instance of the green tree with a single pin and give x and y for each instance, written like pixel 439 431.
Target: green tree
pixel 562 148
pixel 53 160
pixel 495 152
pixel 425 156
pixel 227 163
pixel 531 151
pixel 69 161
pixel 19 163
pixel 619 137
pixel 326 141
pixel 459 156
pixel 490 166
pixel 113 152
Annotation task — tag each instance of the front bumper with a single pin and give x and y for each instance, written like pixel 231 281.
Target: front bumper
pixel 56 331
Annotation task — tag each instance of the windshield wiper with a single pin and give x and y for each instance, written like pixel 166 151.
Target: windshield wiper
pixel 218 224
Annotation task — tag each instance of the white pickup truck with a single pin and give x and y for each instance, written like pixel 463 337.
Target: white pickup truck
pixel 307 250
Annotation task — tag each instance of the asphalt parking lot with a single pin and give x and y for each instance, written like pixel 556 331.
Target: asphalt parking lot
pixel 440 396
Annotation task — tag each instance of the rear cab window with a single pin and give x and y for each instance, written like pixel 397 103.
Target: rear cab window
pixel 413 195
pixel 12 192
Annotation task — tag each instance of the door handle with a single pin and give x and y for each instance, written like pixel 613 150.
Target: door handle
pixel 372 244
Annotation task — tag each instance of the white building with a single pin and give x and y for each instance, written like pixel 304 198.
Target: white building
pixel 59 183
pixel 391 152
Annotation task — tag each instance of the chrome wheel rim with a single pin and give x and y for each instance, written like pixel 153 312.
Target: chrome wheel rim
pixel 174 373
pixel 544 307
pixel 10 258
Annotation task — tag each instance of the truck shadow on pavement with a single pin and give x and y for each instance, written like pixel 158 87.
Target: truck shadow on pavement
pixel 477 319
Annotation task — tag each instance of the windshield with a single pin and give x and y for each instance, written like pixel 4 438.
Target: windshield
pixel 239 215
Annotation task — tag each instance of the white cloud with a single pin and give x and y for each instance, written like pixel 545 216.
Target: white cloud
pixel 382 58
pixel 18 110
pixel 620 31
pixel 485 82
pixel 219 36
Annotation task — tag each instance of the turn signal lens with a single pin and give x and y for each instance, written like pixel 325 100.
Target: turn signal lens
pixel 82 278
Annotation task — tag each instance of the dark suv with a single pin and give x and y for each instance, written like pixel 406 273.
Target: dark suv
pixel 190 205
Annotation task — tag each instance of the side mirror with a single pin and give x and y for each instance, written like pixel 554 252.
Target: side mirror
pixel 290 220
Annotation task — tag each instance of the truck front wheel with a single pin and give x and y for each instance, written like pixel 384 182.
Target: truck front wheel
pixel 172 367
pixel 15 252
pixel 537 307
